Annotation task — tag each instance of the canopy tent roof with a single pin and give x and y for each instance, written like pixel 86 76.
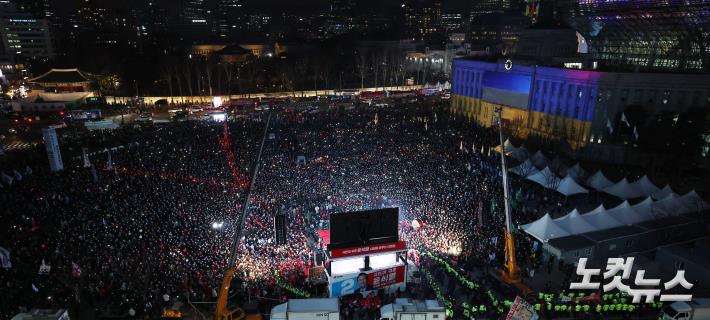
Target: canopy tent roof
pixel 55 76
pixel 577 172
pixel 524 169
pixel 693 201
pixel 647 208
pixel 646 186
pixel 598 181
pixel 568 187
pixel 508 146
pixel 600 219
pixel 545 229
pixel 574 224
pixel 545 178
pixel 672 205
pixel 539 159
pixel 520 153
pixel 663 193
pixel 624 190
pixel 625 214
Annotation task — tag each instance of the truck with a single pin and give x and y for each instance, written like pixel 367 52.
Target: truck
pixel 408 309
pixel 307 309
pixel 696 309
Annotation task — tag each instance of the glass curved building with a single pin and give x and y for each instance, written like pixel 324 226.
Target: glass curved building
pixel 671 35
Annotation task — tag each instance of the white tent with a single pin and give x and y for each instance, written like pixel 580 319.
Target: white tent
pixel 577 172
pixel 647 208
pixel 598 181
pixel 507 146
pixel 574 224
pixel 600 219
pixel 663 193
pixel 646 186
pixel 693 201
pixel 545 178
pixel 545 229
pixel 520 154
pixel 626 215
pixel 672 205
pixel 539 159
pixel 524 169
pixel 569 187
pixel 624 190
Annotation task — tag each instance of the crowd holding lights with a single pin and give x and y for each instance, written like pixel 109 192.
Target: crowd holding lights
pixel 156 225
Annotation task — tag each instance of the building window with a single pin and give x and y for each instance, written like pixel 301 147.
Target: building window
pixel 629 243
pixel 588 252
pixel 576 254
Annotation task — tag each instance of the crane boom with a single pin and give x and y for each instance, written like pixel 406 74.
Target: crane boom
pixel 221 311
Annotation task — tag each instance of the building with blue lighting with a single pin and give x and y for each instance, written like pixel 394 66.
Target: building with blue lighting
pixel 642 35
pixel 570 104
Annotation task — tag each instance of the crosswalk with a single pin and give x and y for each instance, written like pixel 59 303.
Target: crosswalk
pixel 18 145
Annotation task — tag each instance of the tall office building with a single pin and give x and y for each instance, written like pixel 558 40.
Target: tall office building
pixel 482 7
pixel 643 35
pixel 423 17
pixel 231 17
pixel 23 34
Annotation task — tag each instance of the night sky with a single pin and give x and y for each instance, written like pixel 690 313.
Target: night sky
pixel 260 5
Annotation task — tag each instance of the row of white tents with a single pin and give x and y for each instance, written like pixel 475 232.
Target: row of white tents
pixel 574 223
pixel 439 86
pixel 575 180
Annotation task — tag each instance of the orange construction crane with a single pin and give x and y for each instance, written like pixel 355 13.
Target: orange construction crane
pixel 223 311
pixel 510 272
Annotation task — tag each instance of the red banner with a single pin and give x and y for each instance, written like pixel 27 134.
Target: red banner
pixel 385 277
pixel 371 249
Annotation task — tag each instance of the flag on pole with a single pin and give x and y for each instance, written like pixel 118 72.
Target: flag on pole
pixel 109 163
pixel 623 119
pixel 44 268
pixel 5 261
pixel 85 156
pixel 609 126
pixel 636 133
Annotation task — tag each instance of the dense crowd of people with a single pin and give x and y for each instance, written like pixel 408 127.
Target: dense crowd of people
pixel 152 218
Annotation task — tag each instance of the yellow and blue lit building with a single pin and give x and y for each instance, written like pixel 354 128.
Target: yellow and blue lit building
pixel 570 104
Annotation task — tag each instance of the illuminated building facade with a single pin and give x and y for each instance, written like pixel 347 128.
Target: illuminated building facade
pixel 643 35
pixel 569 104
pixel 22 34
pixel 423 17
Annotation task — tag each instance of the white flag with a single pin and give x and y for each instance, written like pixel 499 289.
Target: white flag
pixel 608 125
pixel 623 119
pixel 5 261
pixel 85 156
pixel 44 268
pixel 109 163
